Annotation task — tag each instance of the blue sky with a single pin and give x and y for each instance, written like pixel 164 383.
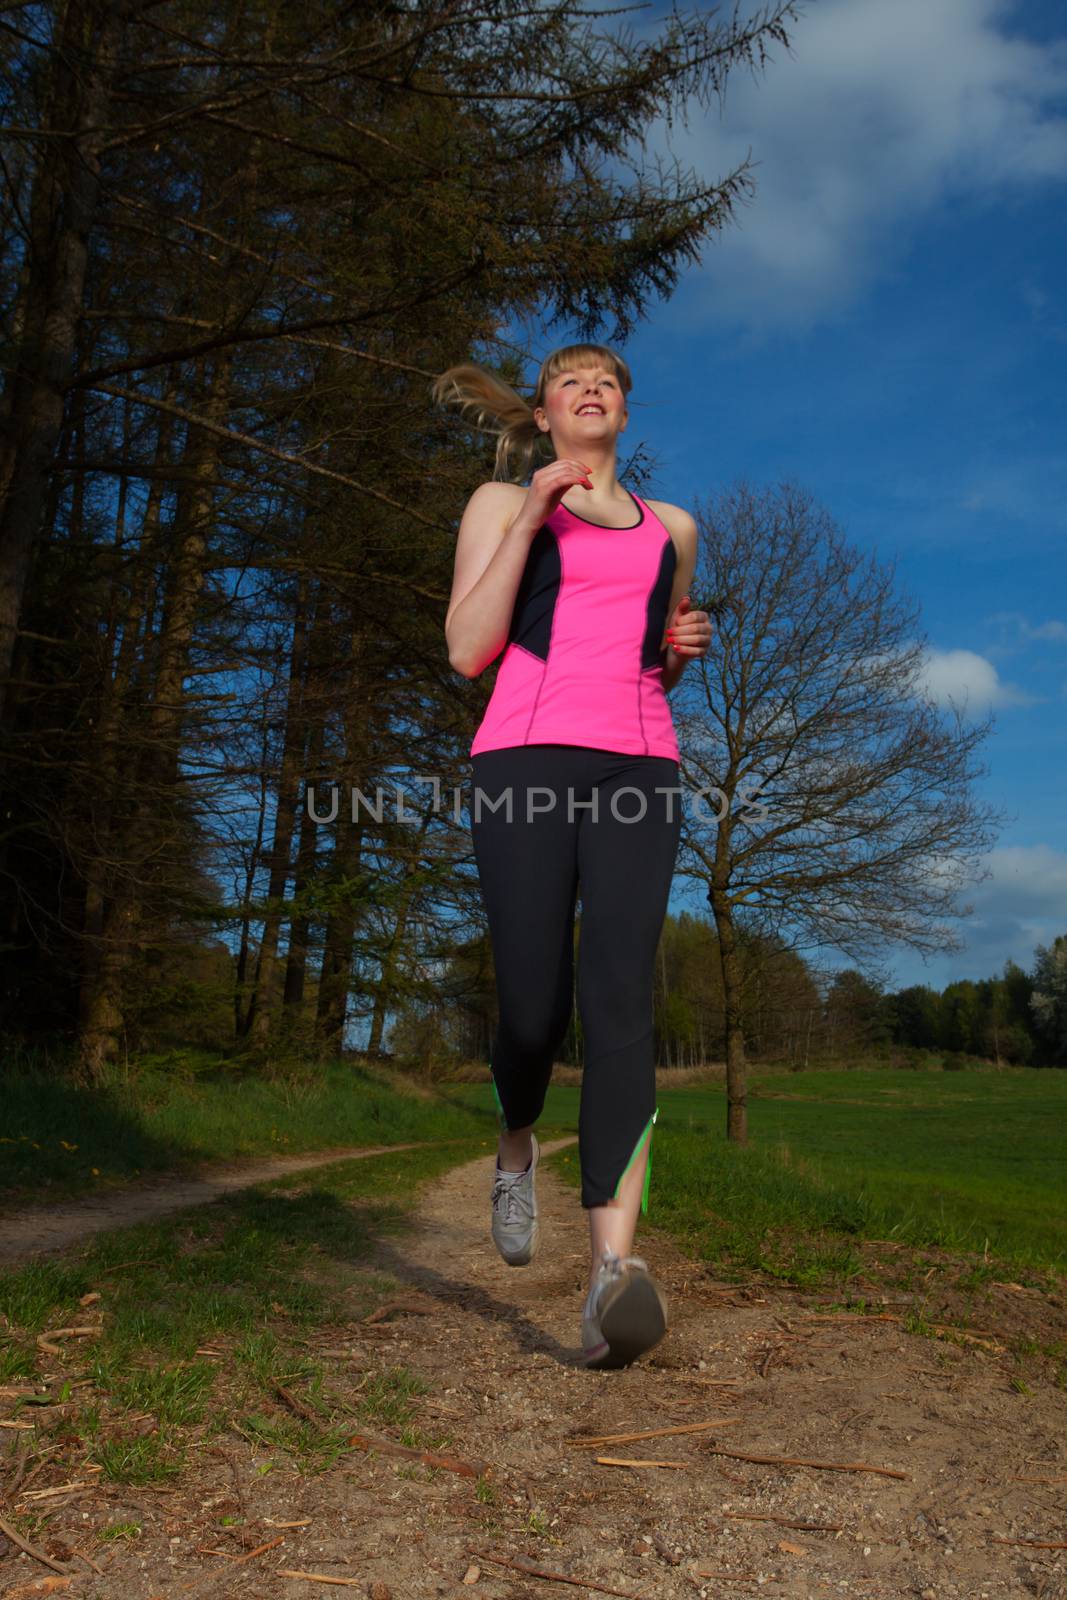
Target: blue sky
pixel 886 322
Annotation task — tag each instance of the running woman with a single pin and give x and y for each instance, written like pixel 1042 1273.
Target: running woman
pixel 582 585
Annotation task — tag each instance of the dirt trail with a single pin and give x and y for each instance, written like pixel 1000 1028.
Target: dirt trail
pixel 34 1230
pixel 504 1354
pixel 499 1351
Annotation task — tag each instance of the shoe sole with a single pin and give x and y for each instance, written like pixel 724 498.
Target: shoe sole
pixel 528 1255
pixel 632 1323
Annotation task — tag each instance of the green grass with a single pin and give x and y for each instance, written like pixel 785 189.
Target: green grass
pixel 206 1316
pixel 172 1113
pixel 387 1397
pixel 969 1161
pixel 119 1530
pixel 962 1161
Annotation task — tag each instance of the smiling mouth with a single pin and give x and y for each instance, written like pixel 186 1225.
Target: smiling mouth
pixel 591 410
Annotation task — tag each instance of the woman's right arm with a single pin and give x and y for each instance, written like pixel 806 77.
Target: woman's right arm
pixel 495 534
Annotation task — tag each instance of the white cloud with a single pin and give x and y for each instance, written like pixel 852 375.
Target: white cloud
pixel 1017 907
pixel 969 680
pixel 882 111
pixel 1027 883
pixel 1029 632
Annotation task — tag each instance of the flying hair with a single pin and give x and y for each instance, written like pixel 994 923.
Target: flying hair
pixel 493 406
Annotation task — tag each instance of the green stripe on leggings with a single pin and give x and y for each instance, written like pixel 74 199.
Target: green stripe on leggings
pixel 647 1129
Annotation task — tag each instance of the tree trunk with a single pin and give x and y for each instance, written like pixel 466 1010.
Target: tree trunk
pixel 736 1073
pixel 101 1009
pixel 241 984
pixel 334 982
pixel 284 823
pixel 113 738
pixel 335 978
pixel 385 988
pixel 299 927
pixel 65 197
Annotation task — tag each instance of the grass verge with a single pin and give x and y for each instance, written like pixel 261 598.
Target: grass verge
pixel 218 1325
pixel 174 1113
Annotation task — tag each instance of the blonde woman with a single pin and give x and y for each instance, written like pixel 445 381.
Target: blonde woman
pixel 582 585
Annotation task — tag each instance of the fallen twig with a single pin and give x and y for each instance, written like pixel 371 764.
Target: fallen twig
pixel 63 1488
pixel 22 1461
pixel 725 1577
pixel 804 1461
pixel 36 1586
pixel 785 1522
pixel 318 1577
pixel 31 1549
pixel 414 1308
pixel 1038 1544
pixel 261 1549
pixel 362 1441
pixel 652 1433
pixel 623 1461
pixel 44 1340
pixel 527 1567
pixel 665 1550
pixel 1037 1480
pixel 295 1404
pixel 988 1341
pixel 235 1475
pixel 231 1561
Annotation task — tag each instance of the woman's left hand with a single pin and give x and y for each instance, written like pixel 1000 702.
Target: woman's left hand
pixel 689 633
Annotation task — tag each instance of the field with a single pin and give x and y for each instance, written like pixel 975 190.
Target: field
pixel 972 1162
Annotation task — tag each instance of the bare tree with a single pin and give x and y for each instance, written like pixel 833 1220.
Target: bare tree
pixel 837 811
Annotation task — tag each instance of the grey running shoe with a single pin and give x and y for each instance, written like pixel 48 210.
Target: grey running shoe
pixel 514 1201
pixel 625 1312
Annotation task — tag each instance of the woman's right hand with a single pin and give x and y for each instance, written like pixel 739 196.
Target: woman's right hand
pixel 548 485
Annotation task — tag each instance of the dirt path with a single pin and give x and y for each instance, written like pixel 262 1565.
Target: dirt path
pixel 504 1353
pixel 499 1352
pixel 34 1230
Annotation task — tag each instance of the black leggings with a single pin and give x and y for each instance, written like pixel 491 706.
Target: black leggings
pixel 530 868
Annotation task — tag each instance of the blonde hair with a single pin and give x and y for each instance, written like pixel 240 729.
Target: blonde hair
pixel 494 406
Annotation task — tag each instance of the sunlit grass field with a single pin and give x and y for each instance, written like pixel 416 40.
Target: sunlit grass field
pixel 968 1161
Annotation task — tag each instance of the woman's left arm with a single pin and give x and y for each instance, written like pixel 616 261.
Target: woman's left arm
pixel 688 633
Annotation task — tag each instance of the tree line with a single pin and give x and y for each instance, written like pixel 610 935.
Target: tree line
pixel 793 1014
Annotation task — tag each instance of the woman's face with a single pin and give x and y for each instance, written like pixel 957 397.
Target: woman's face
pixel 582 404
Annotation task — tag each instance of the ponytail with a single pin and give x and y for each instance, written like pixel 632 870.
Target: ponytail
pixel 494 406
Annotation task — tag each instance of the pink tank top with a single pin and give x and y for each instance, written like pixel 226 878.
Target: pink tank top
pixel 582 663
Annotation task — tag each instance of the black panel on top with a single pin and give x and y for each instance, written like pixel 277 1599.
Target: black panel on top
pixel 535 599
pixel 658 601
